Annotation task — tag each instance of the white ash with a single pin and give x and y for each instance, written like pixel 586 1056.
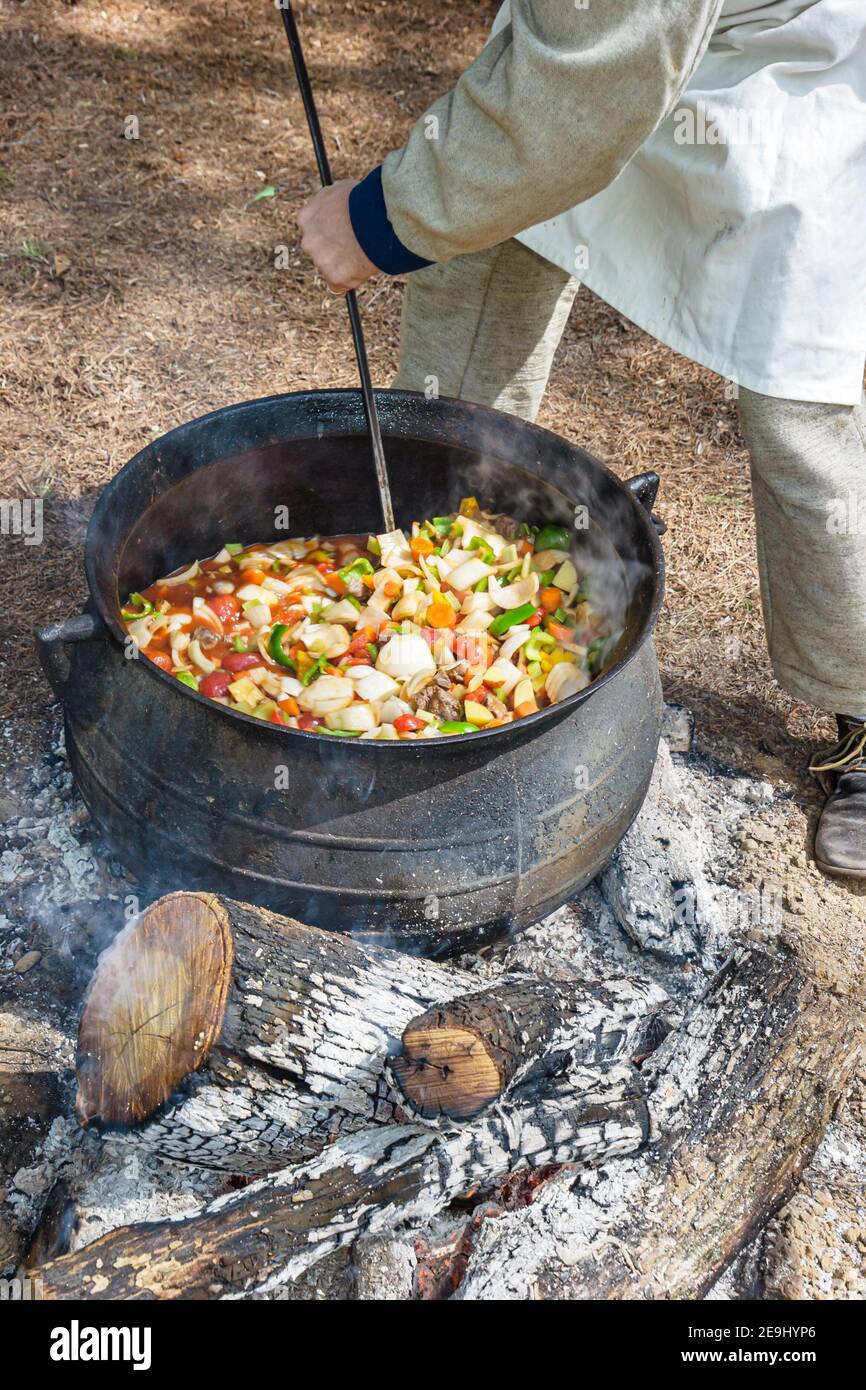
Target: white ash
pixel 668 908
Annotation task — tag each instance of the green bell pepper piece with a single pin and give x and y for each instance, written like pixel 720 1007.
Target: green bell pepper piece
pixel 233 547
pixel 553 538
pixel 276 649
pixel 186 678
pixel 358 567
pixel 484 551
pixel 511 618
pixel 458 726
pixel 143 612
pixel 314 670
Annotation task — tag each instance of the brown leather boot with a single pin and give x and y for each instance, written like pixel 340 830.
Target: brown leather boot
pixel 840 840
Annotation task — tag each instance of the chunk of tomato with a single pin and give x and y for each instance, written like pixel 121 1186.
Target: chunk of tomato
pixel 242 661
pixel 226 607
pixel 309 722
pixel 216 684
pixel 408 724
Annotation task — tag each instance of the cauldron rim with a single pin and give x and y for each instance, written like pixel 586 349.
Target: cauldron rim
pixel 525 726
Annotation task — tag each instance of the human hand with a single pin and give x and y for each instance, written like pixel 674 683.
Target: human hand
pixel 327 238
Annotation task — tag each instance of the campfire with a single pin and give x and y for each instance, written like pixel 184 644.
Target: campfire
pixel 561 1116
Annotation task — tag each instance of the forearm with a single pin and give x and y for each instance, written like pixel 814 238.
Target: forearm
pixel 547 115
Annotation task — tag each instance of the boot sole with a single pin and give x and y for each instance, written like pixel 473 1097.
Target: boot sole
pixel 834 871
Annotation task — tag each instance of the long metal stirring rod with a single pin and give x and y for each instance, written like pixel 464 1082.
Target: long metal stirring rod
pixel 354 316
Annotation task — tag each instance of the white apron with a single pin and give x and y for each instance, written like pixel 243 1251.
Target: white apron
pixel 737 233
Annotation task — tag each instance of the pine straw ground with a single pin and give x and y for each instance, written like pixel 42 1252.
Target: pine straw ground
pixel 139 290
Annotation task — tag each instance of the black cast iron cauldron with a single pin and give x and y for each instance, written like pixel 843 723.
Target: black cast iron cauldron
pixel 428 846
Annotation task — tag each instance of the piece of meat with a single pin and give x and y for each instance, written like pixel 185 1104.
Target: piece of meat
pixel 205 636
pixel 507 526
pixel 436 697
pixel 496 707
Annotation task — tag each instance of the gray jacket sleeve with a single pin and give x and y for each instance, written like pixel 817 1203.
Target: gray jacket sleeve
pixel 548 114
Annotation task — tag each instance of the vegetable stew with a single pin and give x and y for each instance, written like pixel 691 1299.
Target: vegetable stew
pixel 469 622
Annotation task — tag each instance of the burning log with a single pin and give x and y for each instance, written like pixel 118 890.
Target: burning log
pixel 367 1182
pixel 247 1040
pixel 458 1058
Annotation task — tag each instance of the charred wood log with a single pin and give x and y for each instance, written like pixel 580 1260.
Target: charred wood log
pixel 739 1098
pixel 249 1040
pixel 458 1058
pixel 368 1182
pixel 252 1038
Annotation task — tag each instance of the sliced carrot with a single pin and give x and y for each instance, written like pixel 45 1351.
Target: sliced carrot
pixel 290 705
pixel 392 588
pixel 419 545
pixel 368 580
pixel 441 615
pixel 251 576
pixel 560 632
pixel 551 599
pixel 526 708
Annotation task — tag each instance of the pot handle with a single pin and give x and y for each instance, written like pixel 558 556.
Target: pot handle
pixel 645 486
pixel 51 642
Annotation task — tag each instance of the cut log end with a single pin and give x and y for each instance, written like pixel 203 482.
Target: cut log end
pixel 446 1069
pixel 154 1008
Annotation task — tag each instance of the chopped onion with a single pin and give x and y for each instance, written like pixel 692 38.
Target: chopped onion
pixel 259 614
pixel 502 676
pixel 357 718
pixel 372 617
pixel 405 655
pixel 467 574
pixel 514 595
pixel 372 685
pixel 257 593
pixel 277 586
pixel 392 709
pixel 323 639
pixel 517 635
pixel 326 695
pixel 197 655
pixel 341 612
pixel 201 610
pixel 549 559
pixel 476 603
pixel 408 605
pixel 565 679
pixel 182 578
pixel 475 622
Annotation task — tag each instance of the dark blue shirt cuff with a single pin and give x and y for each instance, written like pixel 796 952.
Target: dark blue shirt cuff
pixel 374 232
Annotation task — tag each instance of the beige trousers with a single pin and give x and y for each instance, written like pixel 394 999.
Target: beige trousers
pixel 485 328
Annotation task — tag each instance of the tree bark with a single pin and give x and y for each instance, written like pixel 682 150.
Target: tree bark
pixel 367 1182
pixel 248 1040
pixel 739 1098
pixel 459 1057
